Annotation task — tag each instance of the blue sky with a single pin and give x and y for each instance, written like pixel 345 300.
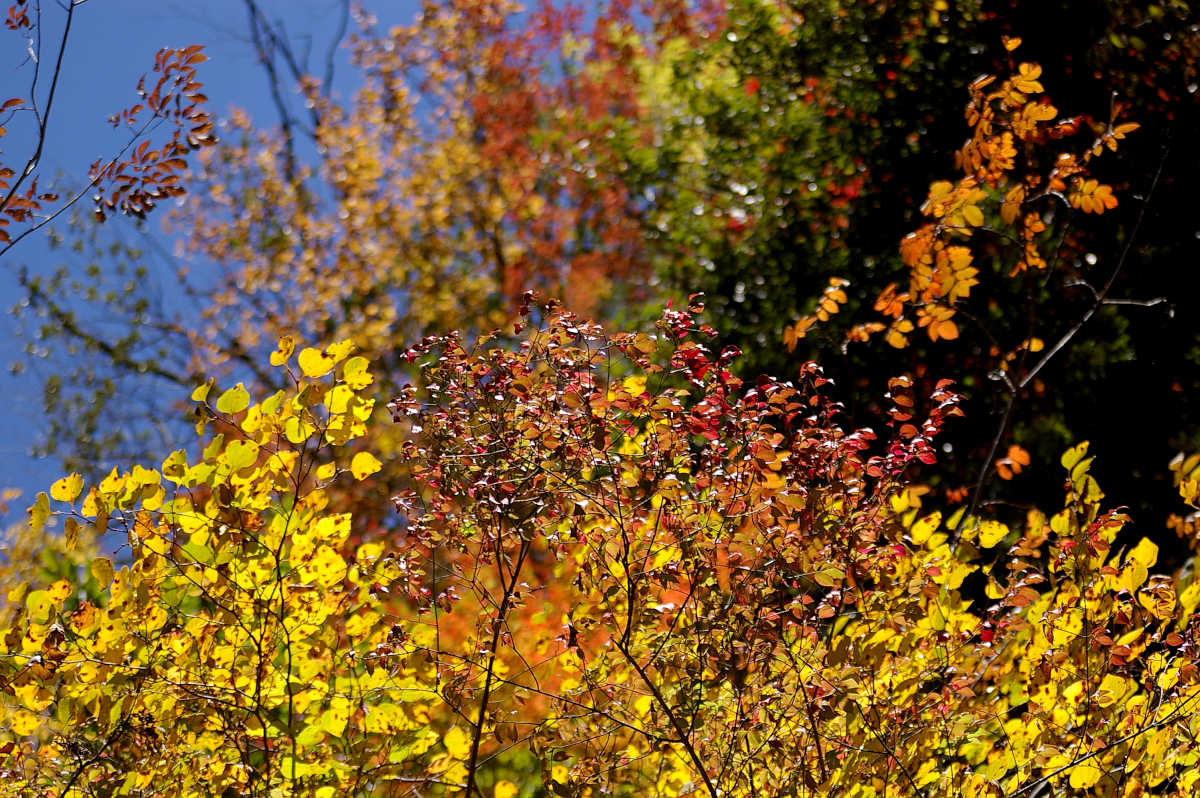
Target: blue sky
pixel 112 43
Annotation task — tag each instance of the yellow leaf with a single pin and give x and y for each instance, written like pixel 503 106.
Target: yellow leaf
pixel 24 723
pixel 384 719
pixel 102 569
pixel 328 566
pixel 896 334
pixel 297 430
pixel 829 577
pixel 201 393
pixel 341 350
pixel 991 533
pixel 504 789
pixel 1189 491
pixel 1073 455
pixel 144 476
pixel 60 590
pixel 333 528
pixel 922 529
pixel 235 400
pixel 1011 42
pixel 1145 553
pixel 72 533
pixel 1113 690
pixel 364 465
pixel 1138 563
pixel 1012 204
pixel 1093 197
pixel 644 344
pixel 355 373
pixel 175 466
pixel 311 735
pixel 334 719
pixel 40 605
pixel 240 454
pixel 39 512
pixel 1027 81
pixel 338 399
pixel 457 743
pixel 1085 775
pixel 283 351
pixel 314 364
pixel 326 471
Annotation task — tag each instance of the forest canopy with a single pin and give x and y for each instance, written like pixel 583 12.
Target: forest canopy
pixel 673 397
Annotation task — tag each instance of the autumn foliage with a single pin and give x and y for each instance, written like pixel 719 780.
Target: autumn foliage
pixel 670 581
pixel 431 532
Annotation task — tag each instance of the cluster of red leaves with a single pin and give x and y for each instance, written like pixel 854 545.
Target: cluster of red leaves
pixel 138 177
pixel 562 509
pixel 134 185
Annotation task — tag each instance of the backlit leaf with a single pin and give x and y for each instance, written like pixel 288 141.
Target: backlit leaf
pixel 39 512
pixel 234 400
pixel 102 569
pixel 315 363
pixel 201 392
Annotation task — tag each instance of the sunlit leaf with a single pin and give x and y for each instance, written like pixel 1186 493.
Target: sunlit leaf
pixel 1084 776
pixel 67 489
pixel 364 465
pixel 283 352
pixel 234 400
pixel 314 363
pixel 39 512
pixel 991 533
pixel 457 742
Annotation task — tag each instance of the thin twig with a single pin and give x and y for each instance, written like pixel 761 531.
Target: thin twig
pixel 1102 295
pixel 43 119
